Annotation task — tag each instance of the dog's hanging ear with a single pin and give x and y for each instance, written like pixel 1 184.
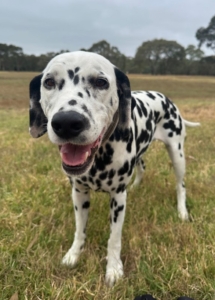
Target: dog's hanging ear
pixel 38 121
pixel 124 94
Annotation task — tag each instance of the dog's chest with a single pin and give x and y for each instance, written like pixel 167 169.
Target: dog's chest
pixel 111 170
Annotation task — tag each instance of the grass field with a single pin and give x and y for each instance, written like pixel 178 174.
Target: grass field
pixel 162 255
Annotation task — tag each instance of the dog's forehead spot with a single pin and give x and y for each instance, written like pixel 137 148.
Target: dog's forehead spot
pixel 71 74
pixel 76 79
pixel 61 84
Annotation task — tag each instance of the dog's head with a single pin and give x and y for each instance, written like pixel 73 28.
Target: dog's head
pixel 80 98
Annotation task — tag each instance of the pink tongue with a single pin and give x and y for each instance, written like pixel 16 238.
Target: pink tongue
pixel 74 155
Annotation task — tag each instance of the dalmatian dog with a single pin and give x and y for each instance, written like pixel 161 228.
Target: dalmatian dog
pixel 102 129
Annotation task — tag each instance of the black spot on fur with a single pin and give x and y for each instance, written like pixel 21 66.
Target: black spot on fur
pixel 149 122
pixel 61 84
pixel 120 188
pixel 111 174
pixel 109 183
pixel 171 125
pixel 100 163
pixel 77 190
pixel 167 115
pixel 172 111
pixel 77 69
pixel 86 204
pixel 86 110
pixel 72 102
pixel 130 141
pixel 159 95
pixel 80 94
pixel 103 175
pixel 98 182
pixel 109 149
pixel 132 164
pixel 120 135
pixel 93 171
pixel 144 110
pixel 71 74
pixel 113 203
pixel 143 137
pixel 91 180
pixel 76 79
pixel 100 150
pixel 179 146
pixel 76 207
pixel 123 169
pixel 117 211
pixel 156 116
pixel 139 111
pixel 150 95
pixel 88 93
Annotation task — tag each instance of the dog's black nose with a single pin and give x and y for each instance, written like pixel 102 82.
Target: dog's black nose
pixel 69 124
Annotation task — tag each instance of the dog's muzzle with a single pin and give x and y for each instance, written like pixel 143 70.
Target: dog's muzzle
pixel 78 158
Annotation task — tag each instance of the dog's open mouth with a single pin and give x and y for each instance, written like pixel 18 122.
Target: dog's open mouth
pixel 76 159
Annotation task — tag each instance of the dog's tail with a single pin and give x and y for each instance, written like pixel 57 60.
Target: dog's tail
pixel 191 124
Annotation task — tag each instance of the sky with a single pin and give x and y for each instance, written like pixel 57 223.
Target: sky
pixel 43 26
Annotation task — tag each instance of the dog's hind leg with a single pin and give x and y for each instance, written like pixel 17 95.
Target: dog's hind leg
pixel 176 153
pixel 140 168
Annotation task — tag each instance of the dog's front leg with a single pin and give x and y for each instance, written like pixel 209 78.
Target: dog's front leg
pixel 117 213
pixel 81 207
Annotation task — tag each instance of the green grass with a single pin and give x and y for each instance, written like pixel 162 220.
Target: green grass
pixel 162 255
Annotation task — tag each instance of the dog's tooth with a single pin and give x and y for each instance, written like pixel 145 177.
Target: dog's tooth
pixel 86 155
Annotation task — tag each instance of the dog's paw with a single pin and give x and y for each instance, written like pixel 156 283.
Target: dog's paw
pixel 113 274
pixel 183 215
pixel 70 259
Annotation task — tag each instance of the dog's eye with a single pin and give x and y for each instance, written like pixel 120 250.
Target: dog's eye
pixel 101 83
pixel 49 83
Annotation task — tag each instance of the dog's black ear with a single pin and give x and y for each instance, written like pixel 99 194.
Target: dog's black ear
pixel 38 121
pixel 124 94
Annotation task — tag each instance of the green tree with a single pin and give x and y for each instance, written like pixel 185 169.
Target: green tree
pixel 193 53
pixel 207 35
pixel 159 56
pixel 112 53
pixel 10 57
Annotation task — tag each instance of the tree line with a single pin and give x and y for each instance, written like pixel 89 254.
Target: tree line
pixel 158 56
